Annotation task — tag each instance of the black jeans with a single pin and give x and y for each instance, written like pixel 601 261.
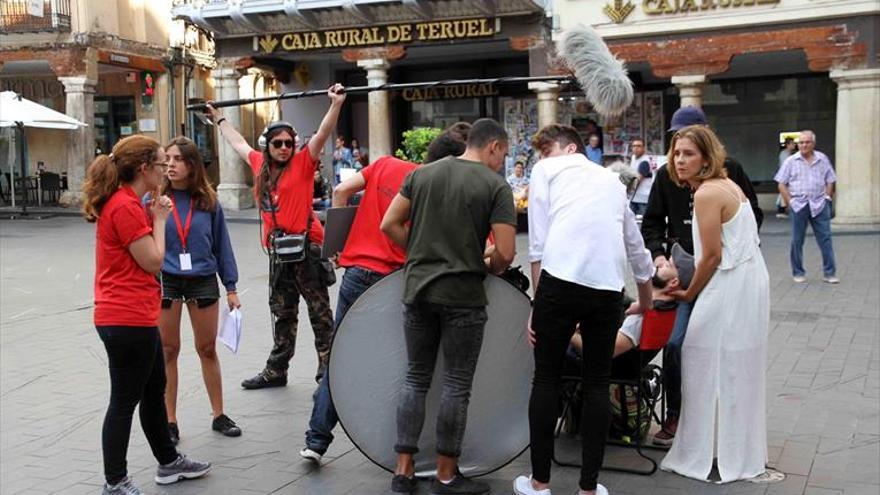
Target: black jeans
pixel 459 331
pixel 137 376
pixel 559 306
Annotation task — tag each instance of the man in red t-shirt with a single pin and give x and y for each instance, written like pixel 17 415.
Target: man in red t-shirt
pixel 368 256
pixel 283 178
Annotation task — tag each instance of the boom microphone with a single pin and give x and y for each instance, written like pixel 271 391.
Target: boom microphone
pixel 600 74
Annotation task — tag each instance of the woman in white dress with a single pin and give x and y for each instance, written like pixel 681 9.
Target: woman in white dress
pixel 724 353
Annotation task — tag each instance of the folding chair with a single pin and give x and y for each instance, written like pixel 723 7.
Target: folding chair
pixel 630 369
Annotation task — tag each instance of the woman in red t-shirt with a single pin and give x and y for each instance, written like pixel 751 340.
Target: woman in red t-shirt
pixel 129 251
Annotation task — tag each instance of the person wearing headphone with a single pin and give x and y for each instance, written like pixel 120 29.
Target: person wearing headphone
pixel 284 177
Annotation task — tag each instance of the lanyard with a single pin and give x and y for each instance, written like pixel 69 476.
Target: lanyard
pixel 182 232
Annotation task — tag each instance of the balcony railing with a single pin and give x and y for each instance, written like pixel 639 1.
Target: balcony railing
pixel 14 17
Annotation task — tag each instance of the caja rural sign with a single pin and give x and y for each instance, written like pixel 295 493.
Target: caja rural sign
pixel 377 35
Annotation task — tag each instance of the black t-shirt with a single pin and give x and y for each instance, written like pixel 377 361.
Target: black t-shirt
pixel 454 204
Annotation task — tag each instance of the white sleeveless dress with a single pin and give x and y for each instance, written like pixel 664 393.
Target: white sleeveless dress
pixel 724 359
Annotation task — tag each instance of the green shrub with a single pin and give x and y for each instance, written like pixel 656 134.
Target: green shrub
pixel 415 144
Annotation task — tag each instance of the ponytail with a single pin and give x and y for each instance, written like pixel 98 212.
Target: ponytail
pixel 107 172
pixel 102 180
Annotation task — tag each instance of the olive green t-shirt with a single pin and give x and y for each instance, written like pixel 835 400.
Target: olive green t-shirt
pixel 454 204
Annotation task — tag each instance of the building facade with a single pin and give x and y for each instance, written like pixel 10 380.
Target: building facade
pixel 759 69
pixel 121 66
pixel 310 44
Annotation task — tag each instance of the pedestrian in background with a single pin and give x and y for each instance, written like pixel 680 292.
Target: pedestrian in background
pixel 806 182
pixel 129 252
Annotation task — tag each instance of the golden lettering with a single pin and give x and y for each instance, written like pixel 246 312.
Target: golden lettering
pixel 446 32
pixel 706 5
pixel 406 33
pixel 400 33
pixel 724 3
pixel 688 5
pixel 393 34
pixel 422 28
pixel 473 29
pixel 460 29
pixel 287 41
pixel 313 41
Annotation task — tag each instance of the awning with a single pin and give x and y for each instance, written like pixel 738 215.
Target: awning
pixel 260 17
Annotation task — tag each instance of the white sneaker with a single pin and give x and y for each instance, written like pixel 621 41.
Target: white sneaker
pixel 522 485
pixel 310 455
pixel 799 279
pixel 600 490
pixel 832 280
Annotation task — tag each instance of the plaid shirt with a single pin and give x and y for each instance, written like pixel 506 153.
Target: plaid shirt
pixel 807 181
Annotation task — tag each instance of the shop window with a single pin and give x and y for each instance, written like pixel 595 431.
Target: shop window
pixel 750 114
pixel 115 118
pixel 443 113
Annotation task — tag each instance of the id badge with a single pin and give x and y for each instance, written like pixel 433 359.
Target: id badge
pixel 185 262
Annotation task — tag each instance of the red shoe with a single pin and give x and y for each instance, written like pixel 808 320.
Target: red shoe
pixel 666 434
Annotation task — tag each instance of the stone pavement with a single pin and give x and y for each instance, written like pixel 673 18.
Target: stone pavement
pixel 823 387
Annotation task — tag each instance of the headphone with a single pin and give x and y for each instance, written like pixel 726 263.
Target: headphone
pixel 279 124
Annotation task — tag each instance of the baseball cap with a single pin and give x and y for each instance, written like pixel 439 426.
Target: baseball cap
pixel 684 263
pixel 686 116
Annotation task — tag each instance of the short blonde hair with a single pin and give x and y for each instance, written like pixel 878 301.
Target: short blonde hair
pixel 710 147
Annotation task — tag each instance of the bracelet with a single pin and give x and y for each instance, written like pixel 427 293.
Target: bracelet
pixel 231 292
pixel 220 121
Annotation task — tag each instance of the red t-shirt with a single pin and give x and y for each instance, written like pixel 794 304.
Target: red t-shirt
pixel 125 294
pixel 292 196
pixel 367 246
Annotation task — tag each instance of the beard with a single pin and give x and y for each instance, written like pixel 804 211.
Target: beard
pixel 658 282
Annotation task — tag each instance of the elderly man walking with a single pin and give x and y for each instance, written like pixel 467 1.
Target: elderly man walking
pixel 806 182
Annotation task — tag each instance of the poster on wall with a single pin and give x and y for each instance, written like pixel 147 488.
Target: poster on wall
pixel 654 122
pixel 521 123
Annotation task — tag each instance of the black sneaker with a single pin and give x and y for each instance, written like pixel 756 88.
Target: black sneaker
pixel 459 486
pixel 403 484
pixel 265 379
pixel 174 433
pixel 226 426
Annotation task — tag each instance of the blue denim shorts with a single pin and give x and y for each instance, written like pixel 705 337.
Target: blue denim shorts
pixel 203 290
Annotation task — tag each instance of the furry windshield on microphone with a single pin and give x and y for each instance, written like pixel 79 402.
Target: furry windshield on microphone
pixel 602 76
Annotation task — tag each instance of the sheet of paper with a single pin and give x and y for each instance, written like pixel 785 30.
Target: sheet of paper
pixel 229 328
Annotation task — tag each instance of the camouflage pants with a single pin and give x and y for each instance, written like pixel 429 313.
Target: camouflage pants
pixel 287 282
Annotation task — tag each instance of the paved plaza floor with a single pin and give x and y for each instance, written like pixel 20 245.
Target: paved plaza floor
pixel 823 383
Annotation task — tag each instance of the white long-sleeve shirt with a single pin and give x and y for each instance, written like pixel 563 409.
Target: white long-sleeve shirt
pixel 581 228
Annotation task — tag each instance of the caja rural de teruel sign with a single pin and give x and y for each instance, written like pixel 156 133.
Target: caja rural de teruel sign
pixel 618 10
pixel 377 35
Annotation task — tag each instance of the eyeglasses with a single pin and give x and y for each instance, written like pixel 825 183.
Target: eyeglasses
pixel 278 143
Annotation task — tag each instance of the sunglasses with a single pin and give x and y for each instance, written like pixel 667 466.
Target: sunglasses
pixel 279 143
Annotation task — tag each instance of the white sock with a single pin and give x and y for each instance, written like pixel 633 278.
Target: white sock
pixel 446 482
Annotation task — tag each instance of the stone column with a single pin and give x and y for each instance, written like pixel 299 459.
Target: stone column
pixel 379 107
pixel 690 89
pixel 857 146
pixel 80 104
pixel 233 191
pixel 548 102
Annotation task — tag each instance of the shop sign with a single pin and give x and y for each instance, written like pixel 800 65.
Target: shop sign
pixel 449 92
pixel 619 10
pixel 378 35
pixel 663 7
